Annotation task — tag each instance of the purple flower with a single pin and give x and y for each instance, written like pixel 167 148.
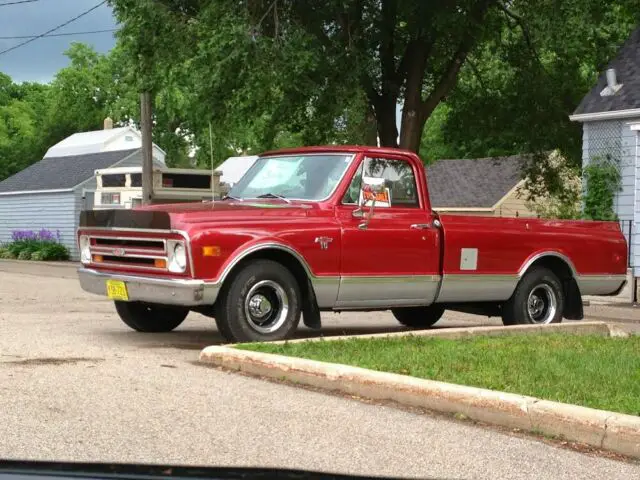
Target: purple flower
pixel 43 235
pixel 21 235
pixel 46 235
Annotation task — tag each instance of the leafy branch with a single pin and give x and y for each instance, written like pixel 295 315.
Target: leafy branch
pixel 603 179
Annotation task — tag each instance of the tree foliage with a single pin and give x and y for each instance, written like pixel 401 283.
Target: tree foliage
pixel 329 71
pixel 517 90
pixel 476 78
pixel 602 176
pixel 486 77
pixel 21 122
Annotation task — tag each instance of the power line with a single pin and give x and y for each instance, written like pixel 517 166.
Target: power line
pixel 60 34
pixel 54 29
pixel 17 2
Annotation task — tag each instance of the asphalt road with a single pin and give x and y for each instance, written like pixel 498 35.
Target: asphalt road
pixel 76 384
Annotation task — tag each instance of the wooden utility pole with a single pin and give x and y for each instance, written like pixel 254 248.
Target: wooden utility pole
pixel 147 147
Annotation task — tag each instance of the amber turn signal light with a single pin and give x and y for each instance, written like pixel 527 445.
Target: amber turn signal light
pixel 160 263
pixel 211 251
pixel 97 258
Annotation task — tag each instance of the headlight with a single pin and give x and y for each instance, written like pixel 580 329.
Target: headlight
pixel 177 257
pixel 85 249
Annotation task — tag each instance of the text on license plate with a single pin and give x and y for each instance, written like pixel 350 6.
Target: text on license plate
pixel 117 290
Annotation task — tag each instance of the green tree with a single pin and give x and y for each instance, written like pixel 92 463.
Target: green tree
pixel 334 71
pixel 22 110
pixel 328 71
pixel 516 92
pixel 79 94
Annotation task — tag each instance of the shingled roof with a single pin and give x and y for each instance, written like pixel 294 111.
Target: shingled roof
pixel 473 183
pixel 60 173
pixel 627 67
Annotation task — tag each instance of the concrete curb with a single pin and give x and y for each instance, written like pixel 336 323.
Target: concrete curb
pixel 574 328
pixel 616 432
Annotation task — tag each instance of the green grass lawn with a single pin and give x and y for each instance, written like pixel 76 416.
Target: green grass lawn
pixel 593 371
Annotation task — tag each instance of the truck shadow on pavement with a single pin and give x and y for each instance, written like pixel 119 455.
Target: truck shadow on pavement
pixel 190 338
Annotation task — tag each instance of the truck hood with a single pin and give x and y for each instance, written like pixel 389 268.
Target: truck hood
pixel 185 216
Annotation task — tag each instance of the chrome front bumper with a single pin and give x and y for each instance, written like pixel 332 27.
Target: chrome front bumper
pixel 188 293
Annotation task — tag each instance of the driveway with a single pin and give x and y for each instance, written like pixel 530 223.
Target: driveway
pixel 76 384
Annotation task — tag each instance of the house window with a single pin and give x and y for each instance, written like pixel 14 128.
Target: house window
pixel 114 180
pixel 110 198
pixel 173 180
pixel 605 141
pixel 136 179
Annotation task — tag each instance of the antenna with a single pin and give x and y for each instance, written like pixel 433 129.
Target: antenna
pixel 211 155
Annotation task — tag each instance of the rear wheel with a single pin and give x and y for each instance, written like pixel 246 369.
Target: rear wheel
pixel 419 317
pixel 261 302
pixel 150 317
pixel 537 300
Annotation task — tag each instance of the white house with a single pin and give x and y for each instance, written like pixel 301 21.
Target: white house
pixel 108 140
pixel 51 193
pixel 610 117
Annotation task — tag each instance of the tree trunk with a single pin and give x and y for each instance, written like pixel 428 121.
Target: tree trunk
pixel 412 128
pixel 413 119
pixel 386 120
pixel 370 128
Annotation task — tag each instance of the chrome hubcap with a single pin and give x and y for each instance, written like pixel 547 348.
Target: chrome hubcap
pixel 542 304
pixel 266 306
pixel 259 306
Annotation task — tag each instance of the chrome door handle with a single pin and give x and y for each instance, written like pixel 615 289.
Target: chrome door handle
pixel 420 226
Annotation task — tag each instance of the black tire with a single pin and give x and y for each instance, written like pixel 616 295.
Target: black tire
pixel 537 300
pixel 151 318
pixel 261 280
pixel 419 317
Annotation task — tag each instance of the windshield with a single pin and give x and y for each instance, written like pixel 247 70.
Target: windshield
pixel 301 177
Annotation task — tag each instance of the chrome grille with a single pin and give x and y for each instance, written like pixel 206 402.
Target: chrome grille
pixel 129 252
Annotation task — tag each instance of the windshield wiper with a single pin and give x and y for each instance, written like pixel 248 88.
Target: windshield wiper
pixel 274 195
pixel 226 197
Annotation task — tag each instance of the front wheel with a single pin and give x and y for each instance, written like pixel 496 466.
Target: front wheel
pixel 537 300
pixel 261 303
pixel 149 317
pixel 418 317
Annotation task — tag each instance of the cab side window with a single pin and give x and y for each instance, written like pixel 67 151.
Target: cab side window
pixel 398 177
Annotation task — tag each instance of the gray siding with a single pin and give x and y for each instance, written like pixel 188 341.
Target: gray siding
pixel 53 211
pixel 628 164
pixel 615 138
pixel 633 141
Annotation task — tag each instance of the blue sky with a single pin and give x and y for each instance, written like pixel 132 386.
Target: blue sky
pixel 41 59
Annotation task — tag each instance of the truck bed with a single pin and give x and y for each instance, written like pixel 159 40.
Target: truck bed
pixel 483 257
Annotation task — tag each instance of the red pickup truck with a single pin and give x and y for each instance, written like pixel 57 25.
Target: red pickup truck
pixel 318 229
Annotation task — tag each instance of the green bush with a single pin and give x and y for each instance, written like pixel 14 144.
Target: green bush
pixel 15 248
pixel 35 250
pixel 37 255
pixel 54 251
pixel 6 254
pixel 603 183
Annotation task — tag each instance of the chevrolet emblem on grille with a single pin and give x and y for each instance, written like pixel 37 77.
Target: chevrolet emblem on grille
pixel 119 252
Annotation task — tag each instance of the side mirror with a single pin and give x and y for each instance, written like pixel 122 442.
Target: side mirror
pixel 373 190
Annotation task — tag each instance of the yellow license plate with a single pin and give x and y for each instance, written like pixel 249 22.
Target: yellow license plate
pixel 117 290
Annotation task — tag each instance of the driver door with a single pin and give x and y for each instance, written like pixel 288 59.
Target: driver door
pixel 395 259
